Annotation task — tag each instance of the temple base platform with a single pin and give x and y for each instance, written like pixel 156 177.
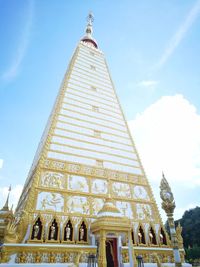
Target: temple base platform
pixel 72 255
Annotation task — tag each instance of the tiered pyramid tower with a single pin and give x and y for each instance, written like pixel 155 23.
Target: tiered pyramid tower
pixel 86 155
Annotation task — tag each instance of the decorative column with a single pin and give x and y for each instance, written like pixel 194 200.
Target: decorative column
pixel 119 251
pixel 168 204
pixel 130 249
pixel 102 262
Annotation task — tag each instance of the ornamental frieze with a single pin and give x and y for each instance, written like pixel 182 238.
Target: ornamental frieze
pixel 92 171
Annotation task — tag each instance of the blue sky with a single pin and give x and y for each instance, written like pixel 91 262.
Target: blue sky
pixel 152 49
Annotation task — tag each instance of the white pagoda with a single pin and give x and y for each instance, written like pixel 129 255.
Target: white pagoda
pixel 87 193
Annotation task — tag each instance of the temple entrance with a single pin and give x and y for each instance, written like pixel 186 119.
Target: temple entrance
pixel 111 252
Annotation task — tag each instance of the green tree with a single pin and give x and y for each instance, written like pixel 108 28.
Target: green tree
pixel 191 227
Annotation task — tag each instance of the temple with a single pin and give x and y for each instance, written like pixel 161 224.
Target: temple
pixel 87 196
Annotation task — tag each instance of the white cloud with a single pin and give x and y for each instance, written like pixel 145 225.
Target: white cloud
pixel 14 195
pixel 180 34
pixel 1 163
pixel 14 67
pixel 148 83
pixel 167 135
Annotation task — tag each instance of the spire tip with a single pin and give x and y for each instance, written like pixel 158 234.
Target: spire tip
pixel 88 38
pixel 90 18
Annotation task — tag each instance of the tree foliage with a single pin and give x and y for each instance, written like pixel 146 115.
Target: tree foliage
pixel 190 222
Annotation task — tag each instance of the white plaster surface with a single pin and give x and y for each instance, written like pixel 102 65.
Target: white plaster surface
pixel 87 135
pixel 92 119
pixel 77 112
pixel 75 120
pixel 96 101
pixel 95 147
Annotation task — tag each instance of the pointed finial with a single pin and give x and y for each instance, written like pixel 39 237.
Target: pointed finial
pixel 90 18
pixel 89 30
pixel 5 207
pixel 88 37
pixel 109 198
pixel 164 180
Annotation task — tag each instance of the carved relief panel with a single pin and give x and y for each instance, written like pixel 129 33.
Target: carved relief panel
pixel 49 201
pixel 121 189
pixel 78 183
pixel 144 212
pixel 96 205
pixel 99 186
pixel 125 208
pixel 53 180
pixel 140 192
pixel 78 204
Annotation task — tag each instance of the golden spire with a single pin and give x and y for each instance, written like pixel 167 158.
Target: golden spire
pixel 6 207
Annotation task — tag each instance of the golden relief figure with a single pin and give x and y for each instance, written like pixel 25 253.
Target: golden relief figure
pixel 99 186
pixel 144 211
pixel 78 204
pixel 96 205
pixel 121 189
pixel 52 179
pixel 140 192
pixel 11 235
pixel 78 183
pixel 50 201
pixel 36 229
pixel 52 231
pixel 68 232
pixel 125 208
pixel 147 211
pixel 81 233
pixel 179 236
pixel 16 229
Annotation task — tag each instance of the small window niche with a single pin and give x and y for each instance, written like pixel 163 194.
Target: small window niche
pixel 93 88
pixel 92 67
pixel 99 163
pixel 97 134
pixel 95 108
